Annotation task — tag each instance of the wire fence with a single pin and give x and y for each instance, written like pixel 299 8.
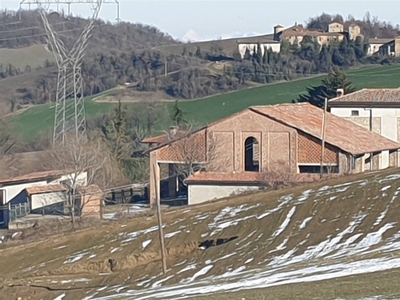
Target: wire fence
pixel 19 211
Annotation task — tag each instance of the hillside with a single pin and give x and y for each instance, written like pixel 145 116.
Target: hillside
pixel 326 240
pixel 155 65
pixel 32 122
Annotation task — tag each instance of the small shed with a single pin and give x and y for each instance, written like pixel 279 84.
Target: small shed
pixel 91 201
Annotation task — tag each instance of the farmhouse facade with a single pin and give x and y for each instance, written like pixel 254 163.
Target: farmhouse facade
pixel 35 193
pixel 377 110
pixel 284 139
pixel 295 35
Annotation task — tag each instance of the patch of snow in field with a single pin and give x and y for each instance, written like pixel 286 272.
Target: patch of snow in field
pixel 181 263
pixel 171 234
pixel 60 297
pixel 187 268
pixel 202 272
pixel 75 280
pixel 224 257
pixel 396 193
pixel 304 223
pixel 75 257
pixel 389 178
pixel 145 244
pixel 381 216
pixel 177 221
pixel 304 196
pixel 283 202
pixel 259 279
pixel 385 188
pixel 61 247
pixel 201 217
pixel 374 238
pixel 281 246
pixel 158 283
pixel 285 222
pixel 248 261
pixel 92 256
pixel 115 250
pixel 144 282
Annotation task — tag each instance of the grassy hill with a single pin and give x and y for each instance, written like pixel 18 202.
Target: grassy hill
pixel 33 56
pixel 327 240
pixel 203 111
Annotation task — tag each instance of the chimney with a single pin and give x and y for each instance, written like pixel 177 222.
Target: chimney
pixel 295 23
pixel 339 92
pixel 173 131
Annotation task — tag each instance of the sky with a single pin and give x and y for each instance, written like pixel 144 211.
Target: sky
pixel 212 19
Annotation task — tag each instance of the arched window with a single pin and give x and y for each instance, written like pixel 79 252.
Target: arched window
pixel 251 155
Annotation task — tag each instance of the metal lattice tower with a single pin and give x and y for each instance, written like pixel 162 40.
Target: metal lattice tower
pixel 69 105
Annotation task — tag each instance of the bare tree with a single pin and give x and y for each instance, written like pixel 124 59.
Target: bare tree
pixel 200 150
pixel 85 164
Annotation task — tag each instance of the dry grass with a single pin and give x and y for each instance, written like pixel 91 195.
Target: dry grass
pixel 385 283
pixel 34 56
pixel 134 263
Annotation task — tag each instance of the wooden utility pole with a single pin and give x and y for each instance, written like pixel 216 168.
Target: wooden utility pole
pixel 323 137
pixel 371 128
pixel 160 223
pixel 166 68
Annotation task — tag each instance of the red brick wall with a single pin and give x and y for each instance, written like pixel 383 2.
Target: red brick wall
pixel 190 148
pixel 309 150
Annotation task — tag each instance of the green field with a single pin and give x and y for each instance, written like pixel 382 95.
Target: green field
pixel 34 56
pixel 203 111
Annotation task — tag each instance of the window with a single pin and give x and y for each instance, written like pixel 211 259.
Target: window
pixel 317 169
pixel 251 155
pixel 355 113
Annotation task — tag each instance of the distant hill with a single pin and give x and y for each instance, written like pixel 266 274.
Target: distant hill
pixel 151 62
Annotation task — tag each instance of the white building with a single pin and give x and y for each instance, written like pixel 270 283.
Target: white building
pixel 34 191
pixel 374 45
pixel 252 45
pixel 375 109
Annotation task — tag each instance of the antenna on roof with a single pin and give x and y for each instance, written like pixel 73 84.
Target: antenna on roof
pixel 323 137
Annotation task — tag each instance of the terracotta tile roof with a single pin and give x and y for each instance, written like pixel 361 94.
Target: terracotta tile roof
pixel 34 176
pixel 246 177
pixel 269 38
pixel 340 133
pixel 313 33
pixel 380 41
pixel 370 95
pixel 164 138
pixel 42 189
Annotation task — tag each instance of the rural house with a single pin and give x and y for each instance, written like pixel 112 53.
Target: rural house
pixel 35 193
pixel 377 110
pixel 295 34
pixel 236 153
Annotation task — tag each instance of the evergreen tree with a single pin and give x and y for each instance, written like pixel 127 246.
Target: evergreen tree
pixel 198 52
pixel 179 115
pixel 115 134
pixel 337 79
pixel 247 55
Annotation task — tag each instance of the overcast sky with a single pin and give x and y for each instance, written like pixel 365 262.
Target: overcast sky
pixel 206 19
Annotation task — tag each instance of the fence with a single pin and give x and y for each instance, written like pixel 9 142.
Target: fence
pixel 19 210
pixel 124 195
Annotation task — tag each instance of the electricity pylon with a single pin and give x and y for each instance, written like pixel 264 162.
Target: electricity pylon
pixel 69 105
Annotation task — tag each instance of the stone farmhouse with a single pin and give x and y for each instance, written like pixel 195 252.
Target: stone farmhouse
pixel 243 151
pixel 377 110
pixel 295 34
pixel 44 193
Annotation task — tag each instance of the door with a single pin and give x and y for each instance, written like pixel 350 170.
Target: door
pixel 2 207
